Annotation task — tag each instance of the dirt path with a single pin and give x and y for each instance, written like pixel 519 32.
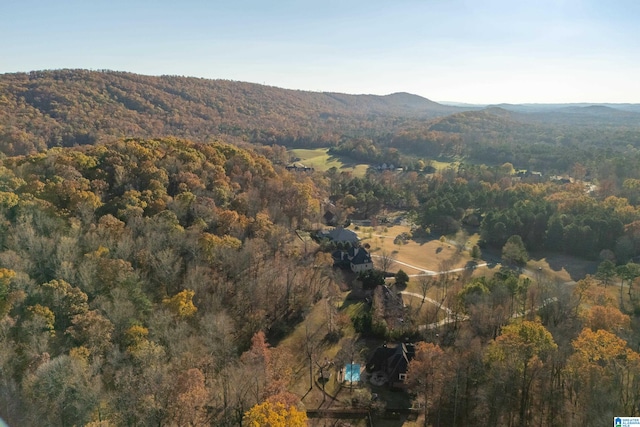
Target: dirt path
pixel 426 272
pixel 431 300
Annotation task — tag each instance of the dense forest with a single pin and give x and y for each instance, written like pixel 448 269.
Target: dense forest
pixel 154 258
pixel 132 266
pixel 556 216
pixel 77 107
pixel 61 108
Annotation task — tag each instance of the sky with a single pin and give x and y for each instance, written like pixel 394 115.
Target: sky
pixel 483 51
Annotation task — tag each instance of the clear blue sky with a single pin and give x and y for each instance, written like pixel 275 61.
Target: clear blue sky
pixel 446 50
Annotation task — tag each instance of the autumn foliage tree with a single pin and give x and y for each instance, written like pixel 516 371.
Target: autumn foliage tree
pixel 427 375
pixel 602 376
pixel 269 414
pixel 516 360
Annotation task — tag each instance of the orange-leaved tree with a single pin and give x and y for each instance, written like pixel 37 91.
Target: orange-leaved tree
pixel 427 375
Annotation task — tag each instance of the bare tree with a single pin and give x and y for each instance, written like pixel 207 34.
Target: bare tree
pixel 386 261
pixel 460 240
pixel 425 284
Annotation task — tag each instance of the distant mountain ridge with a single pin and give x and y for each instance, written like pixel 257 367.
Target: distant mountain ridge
pixel 566 107
pixel 560 114
pixel 69 107
pixel 44 109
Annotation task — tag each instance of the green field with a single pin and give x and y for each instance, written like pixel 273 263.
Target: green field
pixel 321 160
pixel 443 165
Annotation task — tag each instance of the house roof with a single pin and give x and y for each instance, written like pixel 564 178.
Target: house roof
pixel 340 234
pixel 379 359
pixel 337 255
pixel 360 256
pixel 399 362
pixel 393 360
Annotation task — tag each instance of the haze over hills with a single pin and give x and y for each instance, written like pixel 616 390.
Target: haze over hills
pixel 533 108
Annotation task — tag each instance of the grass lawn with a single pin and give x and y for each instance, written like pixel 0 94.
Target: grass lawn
pixel 417 255
pixel 315 326
pixel 426 312
pixel 443 165
pixel 414 256
pixel 564 268
pixel 321 160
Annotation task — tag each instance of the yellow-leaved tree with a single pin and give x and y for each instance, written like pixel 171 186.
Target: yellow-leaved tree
pixel 276 414
pixel 517 360
pixel 601 377
pixel 181 304
pixel 5 287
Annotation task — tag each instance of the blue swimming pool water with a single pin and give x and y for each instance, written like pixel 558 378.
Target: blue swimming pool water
pixel 352 372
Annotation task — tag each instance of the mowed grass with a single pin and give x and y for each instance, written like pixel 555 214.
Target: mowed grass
pixel 418 255
pixel 564 268
pixel 443 165
pixel 321 160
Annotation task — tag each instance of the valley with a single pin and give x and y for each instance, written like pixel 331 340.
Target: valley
pixel 166 256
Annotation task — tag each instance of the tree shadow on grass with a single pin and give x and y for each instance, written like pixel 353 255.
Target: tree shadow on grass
pixel 575 267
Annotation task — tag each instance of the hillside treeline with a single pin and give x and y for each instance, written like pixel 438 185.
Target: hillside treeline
pixel 133 276
pixel 78 107
pixel 60 108
pixel 572 218
pixel 597 150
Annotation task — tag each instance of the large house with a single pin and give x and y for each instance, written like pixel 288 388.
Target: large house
pixel 393 362
pixel 357 258
pixel 341 235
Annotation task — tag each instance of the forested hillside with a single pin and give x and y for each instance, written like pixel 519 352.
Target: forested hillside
pixel 134 274
pixel 550 142
pixel 78 107
pixel 156 266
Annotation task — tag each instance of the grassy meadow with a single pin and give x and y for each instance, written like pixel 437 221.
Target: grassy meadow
pixel 321 160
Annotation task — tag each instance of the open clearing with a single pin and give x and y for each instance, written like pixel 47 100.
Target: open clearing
pixel 563 267
pixel 321 160
pixel 416 256
pixel 443 165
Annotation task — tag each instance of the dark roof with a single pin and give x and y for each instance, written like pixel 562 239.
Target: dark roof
pixel 338 255
pixel 378 361
pixel 393 360
pixel 329 216
pixel 359 256
pixel 398 363
pixel 340 234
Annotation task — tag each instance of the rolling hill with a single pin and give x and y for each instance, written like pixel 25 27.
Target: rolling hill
pixel 76 107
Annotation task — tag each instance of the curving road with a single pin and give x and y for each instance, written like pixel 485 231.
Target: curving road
pixel 426 272
pixel 451 316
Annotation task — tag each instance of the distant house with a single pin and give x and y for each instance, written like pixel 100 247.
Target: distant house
pixel 561 179
pixel 357 258
pixel 529 176
pixel 330 217
pixel 298 167
pixel 392 361
pixel 386 167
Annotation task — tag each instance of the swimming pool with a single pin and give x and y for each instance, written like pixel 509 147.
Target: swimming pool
pixel 352 372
